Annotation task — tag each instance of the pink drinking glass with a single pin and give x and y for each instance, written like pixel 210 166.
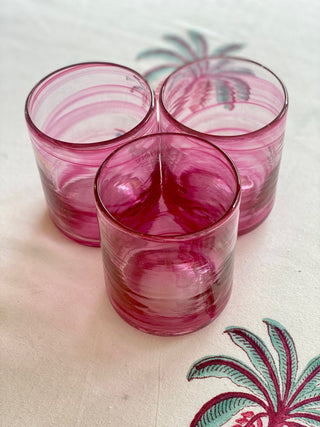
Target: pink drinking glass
pixel 77 116
pixel 168 208
pixel 241 106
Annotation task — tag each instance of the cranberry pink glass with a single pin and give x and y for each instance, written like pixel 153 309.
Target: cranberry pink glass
pixel 168 208
pixel 76 117
pixel 240 106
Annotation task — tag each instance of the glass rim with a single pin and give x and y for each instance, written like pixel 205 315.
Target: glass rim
pixel 177 237
pixel 261 129
pixel 95 144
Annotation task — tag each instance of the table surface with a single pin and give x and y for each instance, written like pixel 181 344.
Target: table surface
pixel 67 359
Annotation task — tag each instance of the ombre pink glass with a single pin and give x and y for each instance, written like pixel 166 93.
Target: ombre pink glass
pixel 241 106
pixel 76 117
pixel 168 208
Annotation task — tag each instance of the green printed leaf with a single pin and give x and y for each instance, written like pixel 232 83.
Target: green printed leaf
pixel 314 412
pixel 227 49
pixel 238 70
pixel 227 367
pixel 162 54
pixel 226 66
pixel 310 391
pixel 307 382
pixel 221 408
pixel 182 46
pixel 156 72
pixel 259 356
pixel 297 403
pixel 199 42
pixel 307 422
pixel 311 418
pixel 242 89
pixel 288 360
pixel 313 401
pixel 224 92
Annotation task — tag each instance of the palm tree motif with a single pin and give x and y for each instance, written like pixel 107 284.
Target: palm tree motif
pixel 225 81
pixel 194 47
pixel 276 397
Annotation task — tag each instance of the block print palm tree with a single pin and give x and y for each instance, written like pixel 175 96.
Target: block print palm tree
pixel 183 51
pixel 225 81
pixel 275 396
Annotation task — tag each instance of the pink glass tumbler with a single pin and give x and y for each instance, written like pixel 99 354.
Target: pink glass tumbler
pixel 77 116
pixel 241 106
pixel 168 208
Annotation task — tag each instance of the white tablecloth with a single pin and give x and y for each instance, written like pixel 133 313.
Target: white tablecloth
pixel 67 359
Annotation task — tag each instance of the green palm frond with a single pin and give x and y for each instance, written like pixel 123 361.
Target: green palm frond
pixel 162 54
pixel 295 404
pixel 200 43
pixel 227 367
pixel 308 381
pixel 183 50
pixel 260 357
pixel 312 401
pixel 227 49
pixel 221 408
pixel 288 360
pixel 184 47
pixel 311 418
pixel 156 72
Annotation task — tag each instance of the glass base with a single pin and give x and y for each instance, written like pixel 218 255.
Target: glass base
pixel 87 242
pixel 170 326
